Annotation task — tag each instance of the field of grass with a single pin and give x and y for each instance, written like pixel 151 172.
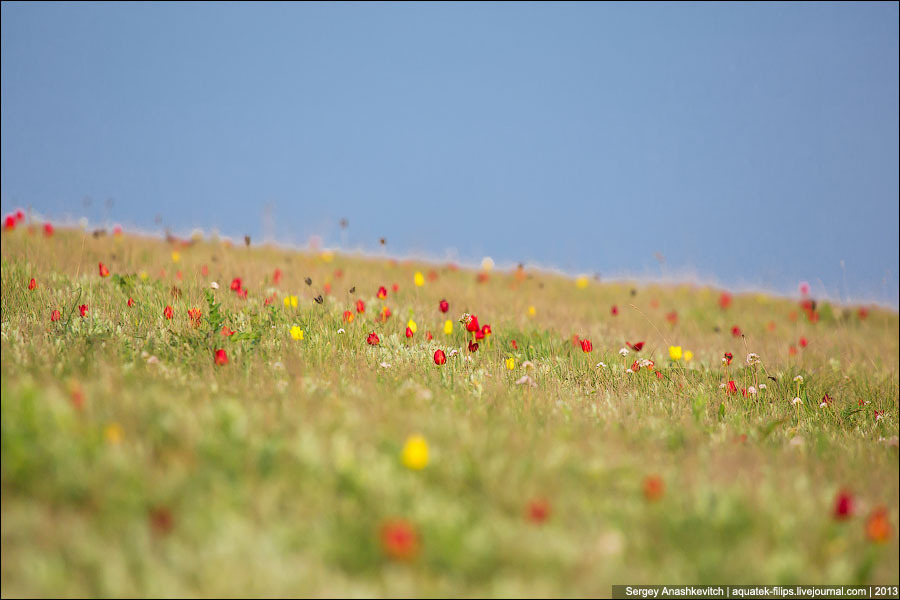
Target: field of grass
pixel 134 464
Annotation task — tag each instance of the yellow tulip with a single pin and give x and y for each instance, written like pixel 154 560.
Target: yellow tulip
pixel 582 282
pixel 510 363
pixel 296 332
pixel 688 356
pixel 290 301
pixel 448 327
pixel 532 311
pixel 176 256
pixel 419 279
pixel 113 433
pixel 415 452
pixel 412 325
pixel 675 352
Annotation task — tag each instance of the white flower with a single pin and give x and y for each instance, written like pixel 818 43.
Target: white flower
pixel 453 352
pixel 762 387
pixel 799 378
pixel 341 330
pixel 721 386
pixel 214 285
pixel 796 401
pixel 751 390
pixel 600 365
pixel 623 351
pixel 823 404
pixel 628 370
pixel 385 365
pixel 752 359
pixel 278 365
pixel 526 380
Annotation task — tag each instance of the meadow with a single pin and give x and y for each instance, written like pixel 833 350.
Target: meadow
pixel 206 418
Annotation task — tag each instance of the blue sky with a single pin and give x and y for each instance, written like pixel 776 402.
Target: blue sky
pixel 756 144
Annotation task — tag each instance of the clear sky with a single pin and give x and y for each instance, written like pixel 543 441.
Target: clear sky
pixel 750 143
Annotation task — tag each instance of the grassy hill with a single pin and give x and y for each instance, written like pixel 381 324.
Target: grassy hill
pixel 138 459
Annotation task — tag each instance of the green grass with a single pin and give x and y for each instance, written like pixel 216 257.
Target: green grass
pixel 273 474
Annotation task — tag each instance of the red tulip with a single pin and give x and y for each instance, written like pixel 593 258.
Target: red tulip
pixel 236 284
pixel 409 332
pixel 586 346
pixel 276 276
pixel 20 216
pixel 439 357
pixel 878 526
pixel 48 229
pixel 348 316
pixel 444 306
pixel 731 388
pixel 83 309
pixel 863 313
pixel 204 270
pixel 168 312
pixel 614 310
pixel 843 505
pixel 382 293
pixel 725 300
pixel 635 347
pixel 473 347
pixel 654 488
pixel 479 335
pixel 672 318
pixel 472 325
pixel 770 325
pixel 226 331
pixel 194 314
pixel 792 351
pixel 736 331
pixel 326 287
pixel 130 302
pixel 32 284
pixel 659 375
pixel 399 540
pixel 803 342
pixel 385 313
pixel 54 315
pixel 485 330
pixel 104 272
pixel 269 300
pixel 221 357
pixel 9 223
pixel 728 358
pixel 538 510
pixel 514 345
pixel 428 336
pixel 372 339
pixel 395 288
pixel 635 367
pixel 360 306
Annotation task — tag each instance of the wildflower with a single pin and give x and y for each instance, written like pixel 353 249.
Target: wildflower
pixel 444 306
pixel 412 326
pixel 485 330
pixel 600 364
pixel 9 223
pixel 862 313
pixel 175 256
pixel 731 388
pixel 276 276
pixel 83 309
pixel 226 331
pixel 614 311
pixel 878 526
pixel 360 306
pixel 879 415
pixel 340 331
pixel 448 327
pixel 54 315
pixel 399 540
pixel 382 293
pixel 736 331
pixel 796 401
pixel 751 391
pixel 726 360
pixel 798 379
pixel 296 332
pixel 415 453
pixel 32 284
pixel 419 279
pixel 428 336
pixel 385 313
pixel 214 285
pixel 527 365
pixel 48 229
pixel 688 356
pixel 752 359
pixel 130 302
pixel 372 339
pixel 439 357
pixel 843 506
pixel 526 380
pixel 236 284
pixel 826 401
pixel 194 314
pixel 762 387
pixel 654 488
pixel 104 272
pixel 409 332
pixel 290 301
pixel 623 351
pixel 220 357
pixel 725 300
pixel 395 287
pixel 538 510
pixel 168 313
pixel 514 344
pixel 586 346
pixel 675 352
pixel 385 365
pixel 510 363
pixel 637 346
pixel 473 347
